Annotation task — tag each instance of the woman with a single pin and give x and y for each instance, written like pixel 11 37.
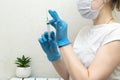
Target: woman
pixel 95 54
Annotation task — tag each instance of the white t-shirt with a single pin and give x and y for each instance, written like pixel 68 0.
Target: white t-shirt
pixel 91 38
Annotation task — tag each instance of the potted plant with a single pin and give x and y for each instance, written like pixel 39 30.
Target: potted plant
pixel 23 67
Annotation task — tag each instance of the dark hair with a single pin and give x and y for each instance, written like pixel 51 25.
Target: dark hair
pixel 115 4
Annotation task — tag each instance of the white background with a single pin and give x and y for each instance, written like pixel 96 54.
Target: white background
pixel 21 24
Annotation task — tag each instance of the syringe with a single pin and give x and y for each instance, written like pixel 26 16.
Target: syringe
pixel 48 28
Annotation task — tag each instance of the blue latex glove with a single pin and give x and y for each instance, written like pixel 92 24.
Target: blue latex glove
pixel 61 29
pixel 49 46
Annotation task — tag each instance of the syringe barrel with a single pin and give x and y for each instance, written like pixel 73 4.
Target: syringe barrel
pixel 48 29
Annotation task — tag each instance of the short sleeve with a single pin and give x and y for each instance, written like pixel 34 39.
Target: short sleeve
pixel 112 36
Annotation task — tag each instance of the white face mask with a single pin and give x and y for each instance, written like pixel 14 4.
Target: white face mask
pixel 85 9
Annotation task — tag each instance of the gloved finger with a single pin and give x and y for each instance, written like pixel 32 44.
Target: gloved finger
pixel 52 34
pixel 53 23
pixel 54 15
pixel 40 40
pixel 51 13
pixel 45 36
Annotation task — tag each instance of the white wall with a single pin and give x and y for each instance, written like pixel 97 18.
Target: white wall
pixel 21 24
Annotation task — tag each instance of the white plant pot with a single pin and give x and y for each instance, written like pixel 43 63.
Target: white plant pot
pixel 23 72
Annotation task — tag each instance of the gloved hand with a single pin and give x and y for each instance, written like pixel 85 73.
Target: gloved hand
pixel 61 29
pixel 49 46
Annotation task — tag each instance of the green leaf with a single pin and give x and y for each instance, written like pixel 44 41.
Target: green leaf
pixel 23 61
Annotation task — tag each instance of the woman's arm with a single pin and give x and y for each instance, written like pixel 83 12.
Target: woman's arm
pixel 61 68
pixel 106 60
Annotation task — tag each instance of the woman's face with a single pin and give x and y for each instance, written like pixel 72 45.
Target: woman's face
pixel 97 4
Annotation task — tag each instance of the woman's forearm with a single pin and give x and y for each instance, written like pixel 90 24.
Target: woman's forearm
pixel 61 68
pixel 73 64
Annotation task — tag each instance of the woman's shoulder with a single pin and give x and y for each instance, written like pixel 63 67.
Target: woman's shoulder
pixel 111 28
pixel 116 27
pixel 112 33
pixel 116 24
pixel 103 28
